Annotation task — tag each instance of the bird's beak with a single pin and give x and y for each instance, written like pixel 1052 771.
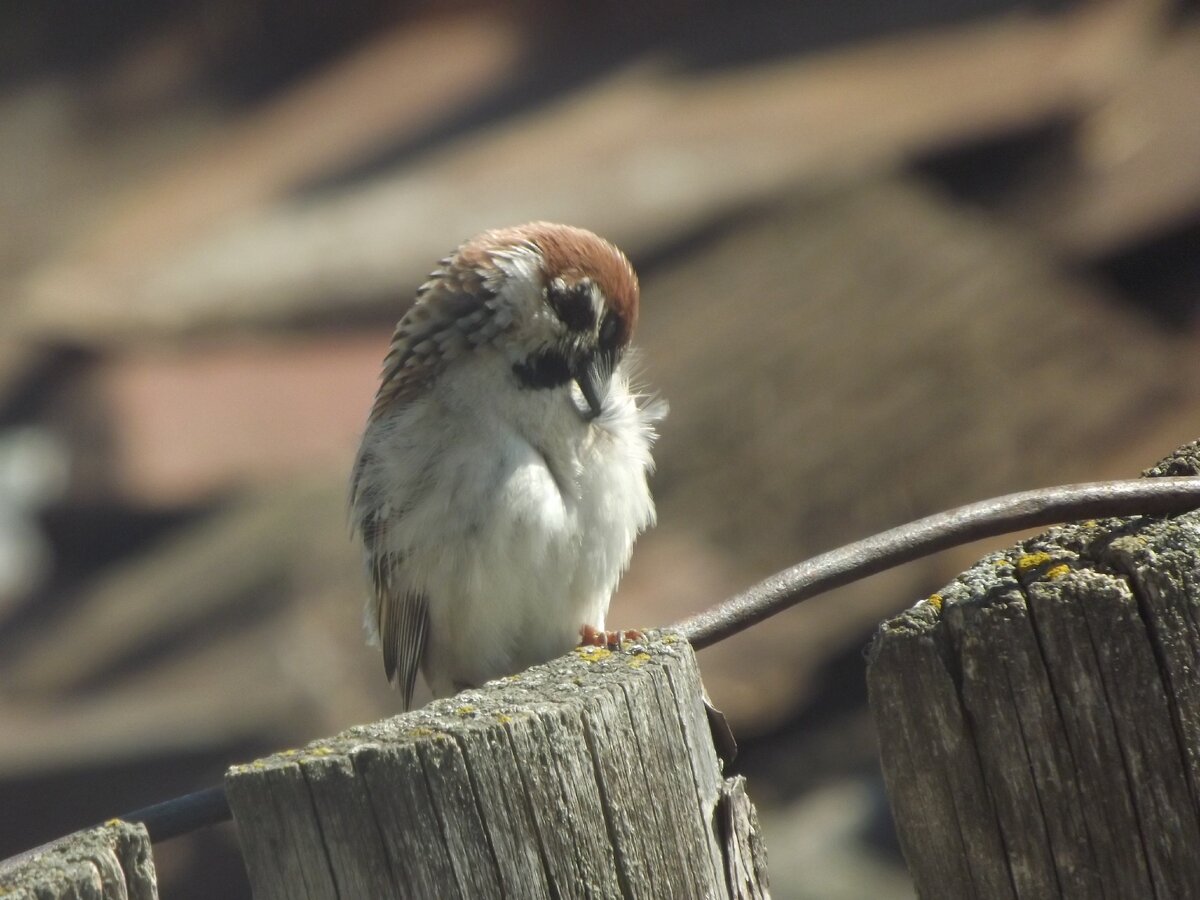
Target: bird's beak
pixel 589 384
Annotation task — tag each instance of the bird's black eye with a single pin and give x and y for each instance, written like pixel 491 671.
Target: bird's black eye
pixel 610 332
pixel 572 303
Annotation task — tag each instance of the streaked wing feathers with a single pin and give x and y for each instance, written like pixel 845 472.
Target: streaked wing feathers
pixel 453 313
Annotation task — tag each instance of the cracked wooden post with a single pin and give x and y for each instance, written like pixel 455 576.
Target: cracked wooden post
pixel 592 776
pixel 109 862
pixel 1039 718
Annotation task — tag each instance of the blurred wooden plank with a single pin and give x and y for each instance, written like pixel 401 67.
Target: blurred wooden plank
pixel 1133 172
pixel 641 157
pixel 232 697
pixel 187 421
pixel 337 116
pixel 217 570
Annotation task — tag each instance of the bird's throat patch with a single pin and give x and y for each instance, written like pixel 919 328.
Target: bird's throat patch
pixel 548 369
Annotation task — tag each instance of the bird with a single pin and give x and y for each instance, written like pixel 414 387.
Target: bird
pixel 503 474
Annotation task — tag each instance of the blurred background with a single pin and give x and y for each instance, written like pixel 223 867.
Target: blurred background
pixel 895 257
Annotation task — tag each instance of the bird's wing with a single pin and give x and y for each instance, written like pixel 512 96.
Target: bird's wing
pixel 454 312
pixel 402 625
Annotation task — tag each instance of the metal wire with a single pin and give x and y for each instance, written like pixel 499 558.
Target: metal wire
pixel 182 815
pixel 988 518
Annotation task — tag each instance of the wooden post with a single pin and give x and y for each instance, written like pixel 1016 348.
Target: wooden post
pixel 592 776
pixel 1039 718
pixel 109 862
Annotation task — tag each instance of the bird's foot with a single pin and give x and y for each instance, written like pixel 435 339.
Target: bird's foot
pixel 590 636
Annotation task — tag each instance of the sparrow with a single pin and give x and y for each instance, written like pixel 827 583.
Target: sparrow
pixel 502 476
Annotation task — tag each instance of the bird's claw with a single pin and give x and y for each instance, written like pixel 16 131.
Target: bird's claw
pixel 590 636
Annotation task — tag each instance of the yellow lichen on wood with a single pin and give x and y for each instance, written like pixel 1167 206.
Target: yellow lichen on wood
pixel 935 600
pixel 593 654
pixel 1032 560
pixel 639 659
pixel 1058 571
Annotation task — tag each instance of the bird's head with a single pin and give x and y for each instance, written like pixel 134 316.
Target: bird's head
pixel 572 298
pixel 559 304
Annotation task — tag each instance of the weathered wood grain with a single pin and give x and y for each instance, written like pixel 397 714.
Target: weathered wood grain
pixel 109 862
pixel 592 776
pixel 745 855
pixel 1038 717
